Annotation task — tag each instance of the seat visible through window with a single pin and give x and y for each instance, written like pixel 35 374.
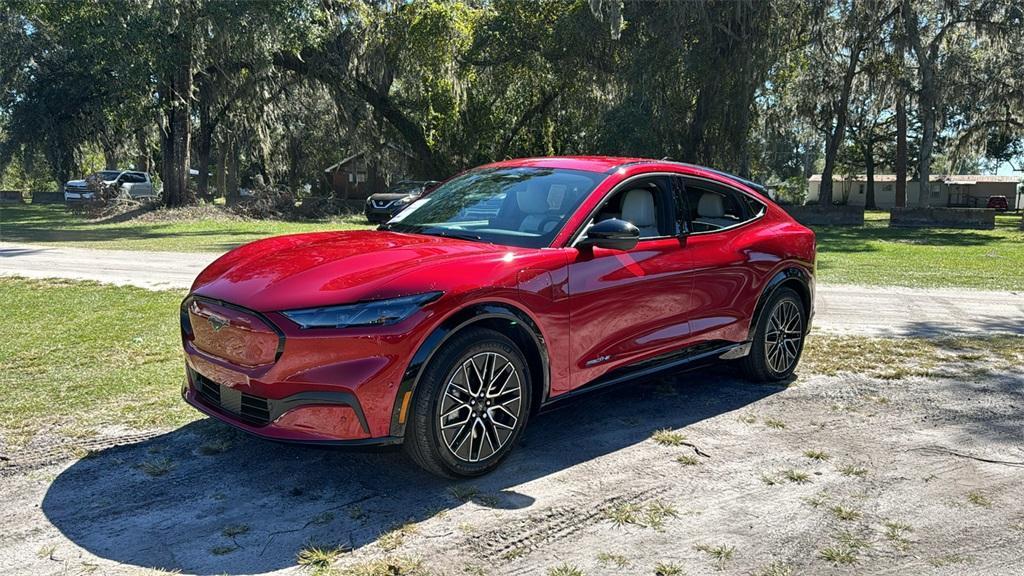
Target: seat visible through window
pixel 716 208
pixel 638 209
pixel 647 204
pixel 540 204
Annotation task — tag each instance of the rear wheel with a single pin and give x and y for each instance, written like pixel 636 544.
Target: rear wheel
pixel 470 405
pixel 778 340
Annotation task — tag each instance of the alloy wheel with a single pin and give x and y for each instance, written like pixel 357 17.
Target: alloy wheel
pixel 783 336
pixel 481 406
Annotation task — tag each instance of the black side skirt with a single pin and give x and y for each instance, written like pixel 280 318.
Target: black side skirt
pixel 689 358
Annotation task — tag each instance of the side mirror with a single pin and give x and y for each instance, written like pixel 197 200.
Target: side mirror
pixel 612 233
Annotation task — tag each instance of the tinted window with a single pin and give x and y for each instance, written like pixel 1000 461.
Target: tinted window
pixel 711 207
pixel 514 206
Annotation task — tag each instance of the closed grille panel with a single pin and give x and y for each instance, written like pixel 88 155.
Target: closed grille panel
pixel 250 409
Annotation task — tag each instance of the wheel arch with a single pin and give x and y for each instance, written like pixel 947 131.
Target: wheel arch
pixel 499 316
pixel 794 277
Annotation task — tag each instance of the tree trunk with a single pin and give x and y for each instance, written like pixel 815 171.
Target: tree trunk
pixel 231 190
pixel 221 170
pixel 901 151
pixel 924 156
pixel 142 157
pixel 835 139
pixel 294 164
pixel 869 167
pixel 928 96
pixel 695 134
pixel 110 161
pixel 63 164
pixel 177 108
pixel 205 141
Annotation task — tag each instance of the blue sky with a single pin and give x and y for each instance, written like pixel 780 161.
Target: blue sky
pixel 1006 170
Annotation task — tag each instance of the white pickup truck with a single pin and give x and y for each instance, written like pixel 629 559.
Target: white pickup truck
pixel 135 184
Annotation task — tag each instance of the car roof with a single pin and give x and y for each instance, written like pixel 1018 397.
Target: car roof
pixel 609 164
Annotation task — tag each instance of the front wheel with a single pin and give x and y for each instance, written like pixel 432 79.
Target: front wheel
pixel 778 340
pixel 470 405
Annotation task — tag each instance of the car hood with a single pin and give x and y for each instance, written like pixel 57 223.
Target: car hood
pixel 80 183
pixel 327 268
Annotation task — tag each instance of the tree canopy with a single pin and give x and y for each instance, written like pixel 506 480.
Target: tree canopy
pixel 278 90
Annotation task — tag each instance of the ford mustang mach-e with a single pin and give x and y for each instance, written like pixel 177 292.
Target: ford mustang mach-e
pixel 503 291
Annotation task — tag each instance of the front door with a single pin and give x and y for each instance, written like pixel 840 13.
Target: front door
pixel 628 306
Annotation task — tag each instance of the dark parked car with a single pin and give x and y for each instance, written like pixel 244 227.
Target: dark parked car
pixel 383 206
pixel 999 203
pixel 500 294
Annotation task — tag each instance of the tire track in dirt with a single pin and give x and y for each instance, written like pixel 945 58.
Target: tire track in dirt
pixel 521 537
pixel 38 457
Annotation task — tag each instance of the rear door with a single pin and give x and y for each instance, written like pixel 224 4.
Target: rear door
pixel 137 184
pixel 627 306
pixel 728 269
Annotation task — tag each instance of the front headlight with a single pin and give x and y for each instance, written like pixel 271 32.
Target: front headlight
pixel 373 313
pixel 403 201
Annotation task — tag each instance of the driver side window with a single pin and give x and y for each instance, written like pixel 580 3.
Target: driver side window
pixel 645 203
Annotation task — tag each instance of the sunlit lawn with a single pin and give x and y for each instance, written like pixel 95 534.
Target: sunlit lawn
pixel 76 357
pixel 878 255
pixel 53 224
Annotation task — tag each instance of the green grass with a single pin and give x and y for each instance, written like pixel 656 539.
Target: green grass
pixel 565 570
pixel 159 231
pixel 667 437
pixel 876 255
pixel 75 356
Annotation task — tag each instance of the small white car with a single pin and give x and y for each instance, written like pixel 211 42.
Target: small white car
pixel 135 184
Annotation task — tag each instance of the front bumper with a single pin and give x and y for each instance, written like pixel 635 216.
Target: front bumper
pixel 332 418
pixel 335 387
pixel 78 196
pixel 381 215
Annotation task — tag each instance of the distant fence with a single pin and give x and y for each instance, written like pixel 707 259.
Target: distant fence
pixel 11 196
pixel 47 197
pixel 816 215
pixel 967 218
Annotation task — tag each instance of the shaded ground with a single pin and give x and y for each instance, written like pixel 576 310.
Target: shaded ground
pixel 882 474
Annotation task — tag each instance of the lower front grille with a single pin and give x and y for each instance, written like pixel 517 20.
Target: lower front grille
pixel 250 409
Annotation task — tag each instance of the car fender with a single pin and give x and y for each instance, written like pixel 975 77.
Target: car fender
pixel 791 273
pixel 440 334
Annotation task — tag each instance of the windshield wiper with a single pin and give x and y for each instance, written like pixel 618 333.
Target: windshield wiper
pixel 449 233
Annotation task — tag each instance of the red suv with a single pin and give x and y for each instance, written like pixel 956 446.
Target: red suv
pixel 505 290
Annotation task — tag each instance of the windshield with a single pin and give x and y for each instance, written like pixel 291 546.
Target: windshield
pixel 512 206
pixel 106 175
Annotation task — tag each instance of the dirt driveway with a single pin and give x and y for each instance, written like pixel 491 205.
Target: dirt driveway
pixel 832 474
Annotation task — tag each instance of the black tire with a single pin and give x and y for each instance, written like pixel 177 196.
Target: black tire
pixel 448 384
pixel 764 363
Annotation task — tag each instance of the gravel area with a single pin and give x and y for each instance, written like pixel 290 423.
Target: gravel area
pixel 838 474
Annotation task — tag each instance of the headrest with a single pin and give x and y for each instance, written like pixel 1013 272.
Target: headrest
pixel 710 206
pixel 638 208
pixel 534 199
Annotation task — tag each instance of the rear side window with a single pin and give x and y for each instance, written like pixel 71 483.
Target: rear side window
pixel 712 207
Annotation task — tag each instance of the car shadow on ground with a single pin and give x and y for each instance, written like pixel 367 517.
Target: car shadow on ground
pixel 204 499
